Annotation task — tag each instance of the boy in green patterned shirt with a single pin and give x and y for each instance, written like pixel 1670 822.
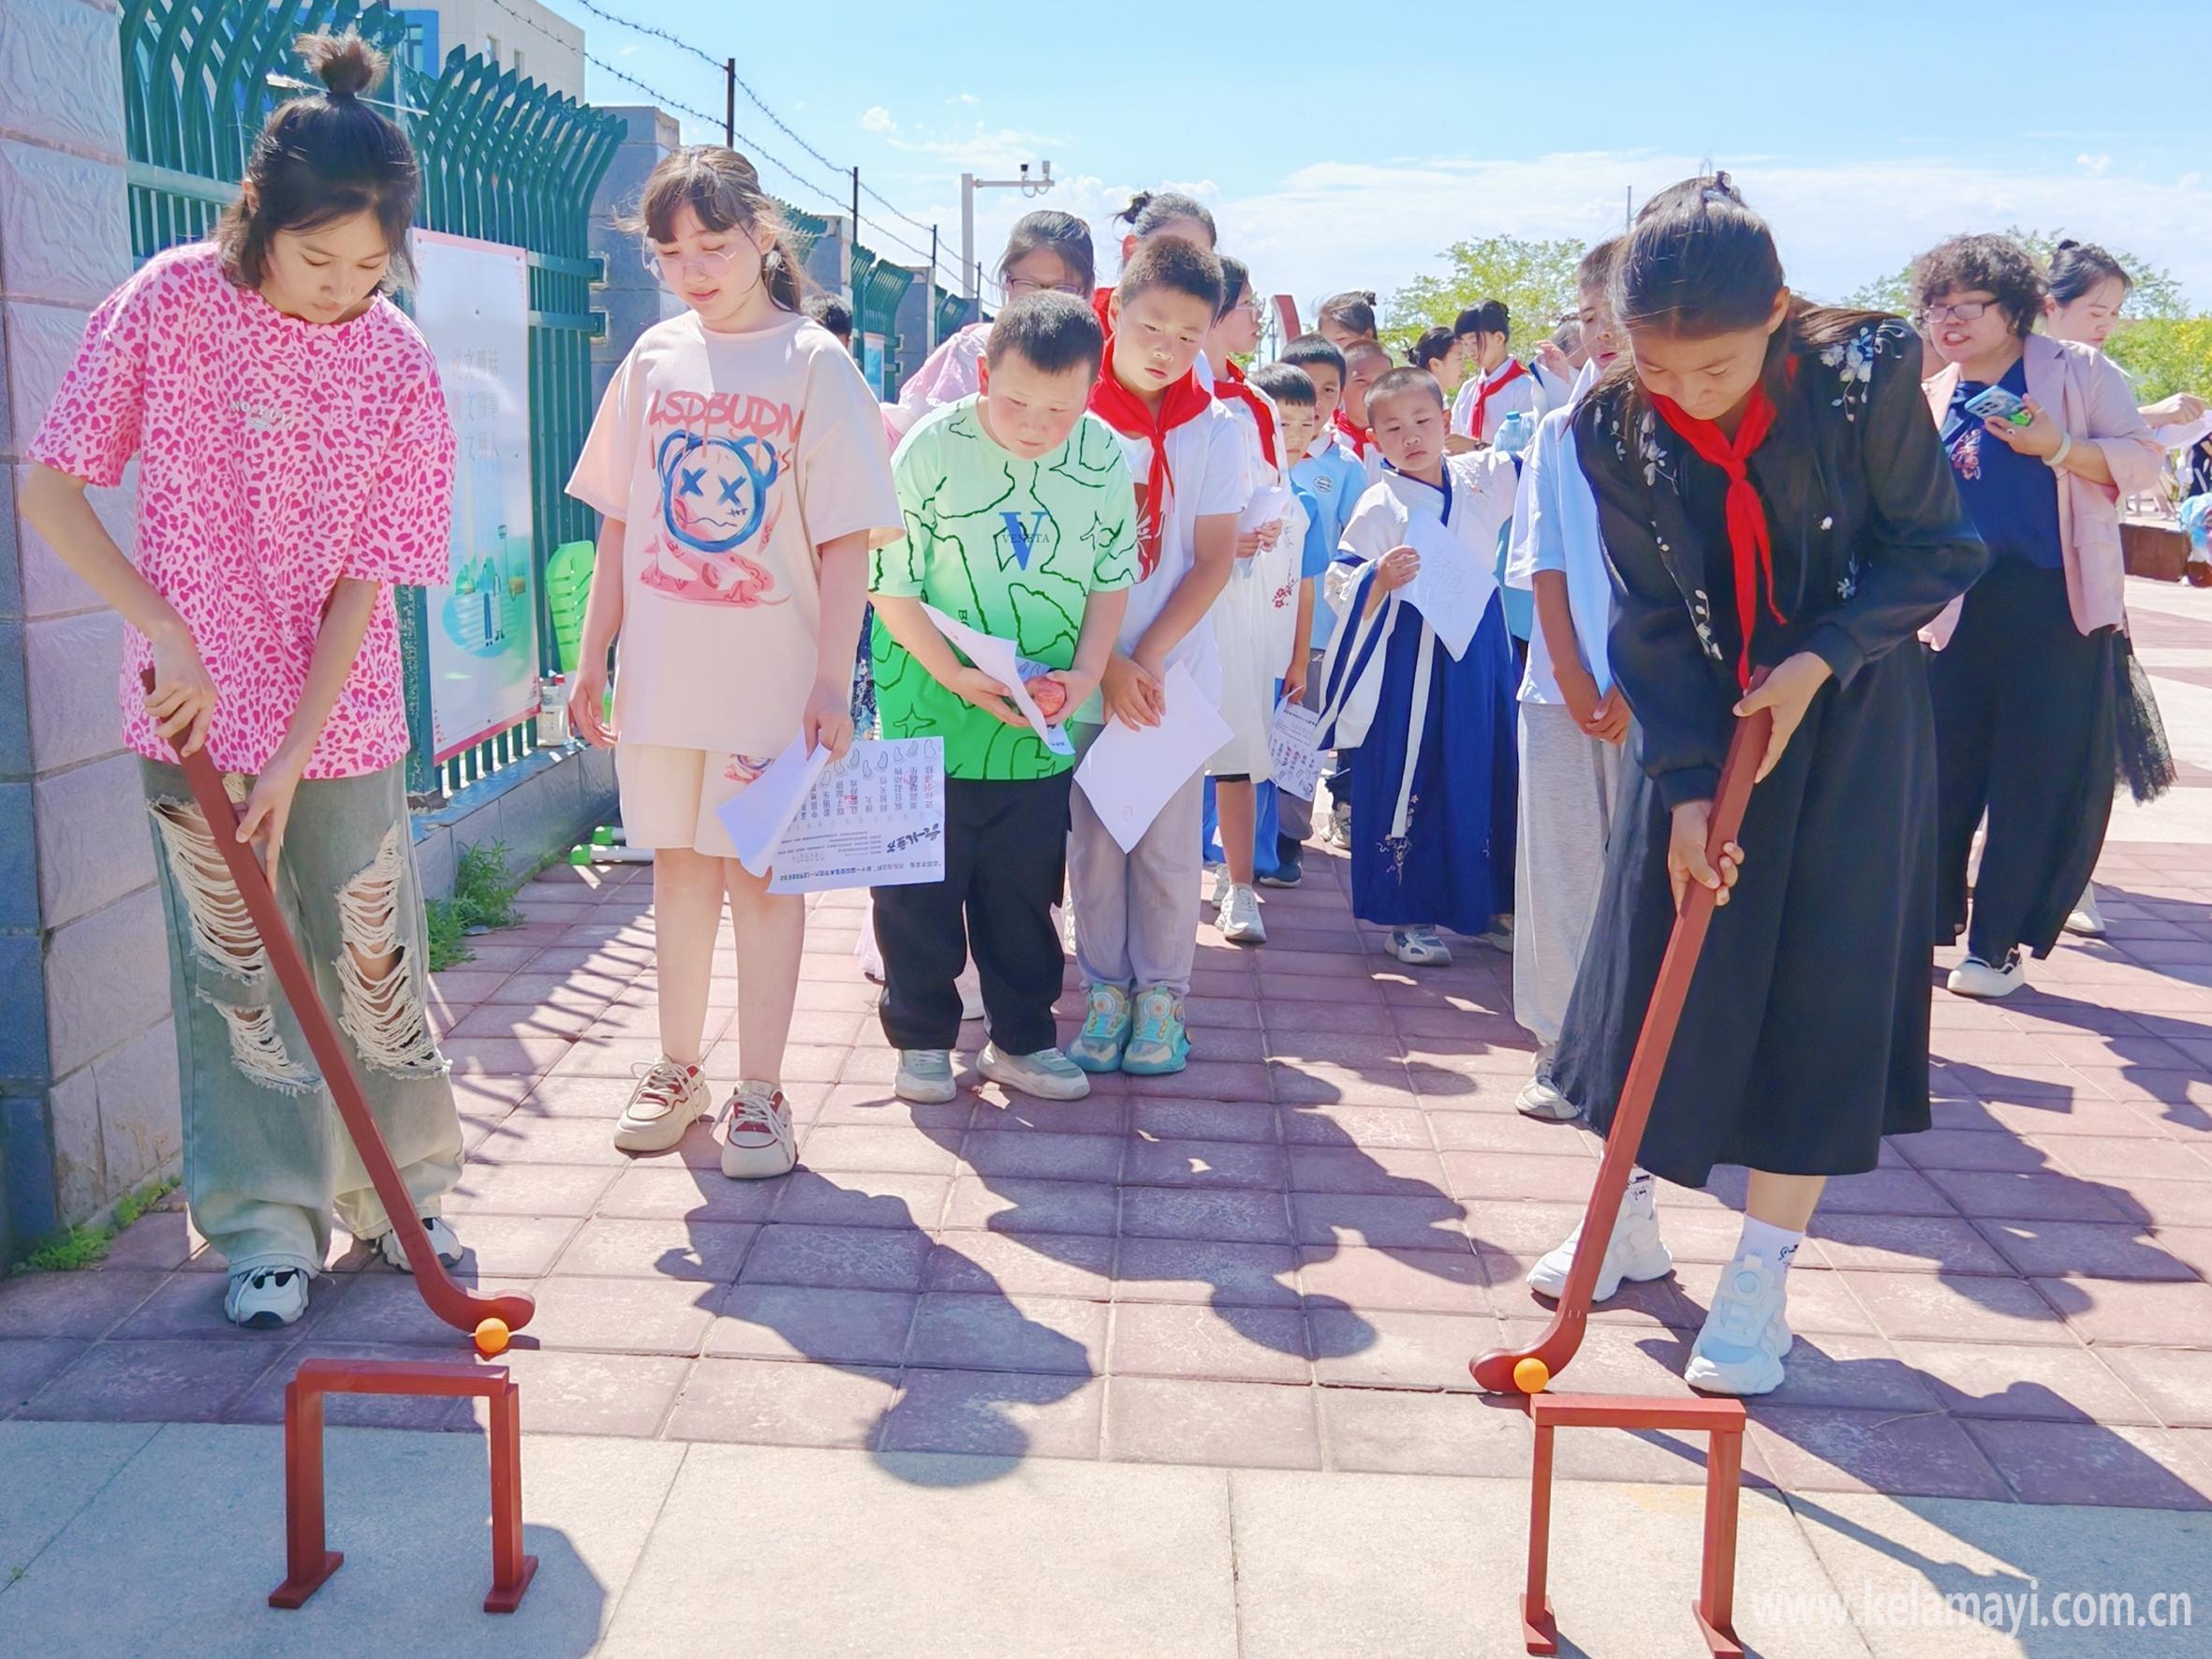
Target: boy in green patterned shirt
pixel 1020 522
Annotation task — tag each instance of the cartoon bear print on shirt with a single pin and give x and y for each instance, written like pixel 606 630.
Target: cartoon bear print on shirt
pixel 716 501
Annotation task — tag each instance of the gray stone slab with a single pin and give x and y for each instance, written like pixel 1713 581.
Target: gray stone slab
pixel 51 1470
pixel 1331 1564
pixel 407 1509
pixel 979 1557
pixel 1895 1561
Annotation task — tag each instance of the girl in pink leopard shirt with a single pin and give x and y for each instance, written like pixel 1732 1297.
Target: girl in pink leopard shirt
pixel 295 461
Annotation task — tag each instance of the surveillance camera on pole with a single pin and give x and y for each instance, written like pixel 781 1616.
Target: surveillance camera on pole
pixel 1031 186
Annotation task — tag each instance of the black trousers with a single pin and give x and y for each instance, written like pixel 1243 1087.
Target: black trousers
pixel 1005 863
pixel 2023 723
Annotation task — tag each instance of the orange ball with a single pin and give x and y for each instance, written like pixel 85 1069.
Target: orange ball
pixel 492 1334
pixel 1532 1376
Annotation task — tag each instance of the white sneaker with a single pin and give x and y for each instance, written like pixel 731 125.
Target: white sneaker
pixel 971 997
pixel 1636 1252
pixel 266 1298
pixel 668 1101
pixel 441 1240
pixel 759 1141
pixel 1420 947
pixel 1048 1074
pixel 925 1077
pixel 2087 919
pixel 1239 920
pixel 1221 885
pixel 1974 977
pixel 1740 1349
pixel 1541 1097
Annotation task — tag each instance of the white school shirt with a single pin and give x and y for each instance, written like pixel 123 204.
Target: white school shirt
pixel 1526 393
pixel 1206 475
pixel 1555 528
pixel 1272 572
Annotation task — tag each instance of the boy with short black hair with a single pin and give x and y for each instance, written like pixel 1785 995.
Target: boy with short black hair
pixel 1332 474
pixel 1021 524
pixel 1136 913
pixel 832 313
pixel 1365 363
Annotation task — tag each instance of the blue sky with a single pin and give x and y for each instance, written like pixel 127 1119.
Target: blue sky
pixel 1340 163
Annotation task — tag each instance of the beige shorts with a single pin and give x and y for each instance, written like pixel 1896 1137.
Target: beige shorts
pixel 670 795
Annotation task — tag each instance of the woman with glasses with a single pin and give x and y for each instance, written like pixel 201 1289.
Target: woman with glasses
pixel 1046 252
pixel 2044 439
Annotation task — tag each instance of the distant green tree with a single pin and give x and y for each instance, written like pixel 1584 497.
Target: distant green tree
pixel 1534 278
pixel 2155 295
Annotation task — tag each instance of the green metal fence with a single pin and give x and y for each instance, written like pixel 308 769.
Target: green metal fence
pixel 503 160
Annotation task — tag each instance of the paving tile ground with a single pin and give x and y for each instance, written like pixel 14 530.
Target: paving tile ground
pixel 1284 1257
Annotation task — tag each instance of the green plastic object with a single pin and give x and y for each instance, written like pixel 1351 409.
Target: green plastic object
pixel 603 836
pixel 579 855
pixel 567 589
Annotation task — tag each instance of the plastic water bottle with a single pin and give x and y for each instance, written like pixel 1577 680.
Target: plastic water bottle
pixel 1513 433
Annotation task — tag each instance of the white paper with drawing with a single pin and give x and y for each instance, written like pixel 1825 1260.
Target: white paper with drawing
pixel 1267 504
pixel 875 818
pixel 1454 586
pixel 1297 764
pixel 1000 658
pixel 1131 772
pixel 757 816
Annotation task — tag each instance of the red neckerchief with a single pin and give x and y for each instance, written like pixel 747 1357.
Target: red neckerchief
pixel 1231 387
pixel 1125 411
pixel 1352 435
pixel 1100 299
pixel 1513 371
pixel 1750 545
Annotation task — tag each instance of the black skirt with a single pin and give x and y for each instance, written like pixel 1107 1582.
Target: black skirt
pixel 1805 1039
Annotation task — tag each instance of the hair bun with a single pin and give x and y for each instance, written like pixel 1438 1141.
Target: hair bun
pixel 2063 243
pixel 347 65
pixel 1369 295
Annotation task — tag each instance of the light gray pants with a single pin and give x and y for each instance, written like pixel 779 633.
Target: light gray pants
pixel 266 1159
pixel 1570 786
pixel 1135 913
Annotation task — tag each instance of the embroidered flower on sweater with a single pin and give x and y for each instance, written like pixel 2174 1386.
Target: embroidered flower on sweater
pixel 1701 618
pixel 1854 361
pixel 1654 455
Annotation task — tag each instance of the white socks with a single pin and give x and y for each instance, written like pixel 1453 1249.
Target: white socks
pixel 1775 1246
pixel 1640 1197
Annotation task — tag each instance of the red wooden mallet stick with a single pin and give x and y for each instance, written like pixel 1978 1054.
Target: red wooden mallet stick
pixel 1499 1370
pixel 462 1308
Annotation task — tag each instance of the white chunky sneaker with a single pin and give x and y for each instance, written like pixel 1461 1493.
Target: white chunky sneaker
pixel 1636 1252
pixel 925 1077
pixel 441 1240
pixel 1976 978
pixel 759 1141
pixel 1239 920
pixel 668 1101
pixel 1740 1349
pixel 1048 1074
pixel 2087 919
pixel 1542 1097
pixel 266 1298
pixel 1420 947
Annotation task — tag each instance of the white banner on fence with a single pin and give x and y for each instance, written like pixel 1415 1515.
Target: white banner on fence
pixel 472 303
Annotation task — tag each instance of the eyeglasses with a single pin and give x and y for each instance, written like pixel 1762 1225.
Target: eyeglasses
pixel 1964 311
pixel 1018 286
pixel 712 263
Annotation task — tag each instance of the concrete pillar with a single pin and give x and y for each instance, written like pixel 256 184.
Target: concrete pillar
pixel 88 1067
pixel 632 298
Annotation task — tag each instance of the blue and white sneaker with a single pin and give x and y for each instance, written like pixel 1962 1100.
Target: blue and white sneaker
pixel 1741 1348
pixel 442 1242
pixel 1097 1047
pixel 1158 1042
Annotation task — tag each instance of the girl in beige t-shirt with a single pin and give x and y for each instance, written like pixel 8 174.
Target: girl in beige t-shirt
pixel 738 463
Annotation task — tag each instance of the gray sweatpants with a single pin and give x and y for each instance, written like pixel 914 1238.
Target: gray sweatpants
pixel 1135 913
pixel 1570 786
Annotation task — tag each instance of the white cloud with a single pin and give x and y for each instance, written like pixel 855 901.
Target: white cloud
pixel 968 98
pixel 878 120
pixel 2094 163
pixel 1337 225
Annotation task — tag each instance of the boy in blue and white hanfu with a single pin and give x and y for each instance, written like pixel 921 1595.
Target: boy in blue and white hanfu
pixel 1431 736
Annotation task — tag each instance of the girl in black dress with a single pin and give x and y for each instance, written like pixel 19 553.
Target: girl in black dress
pixel 1772 498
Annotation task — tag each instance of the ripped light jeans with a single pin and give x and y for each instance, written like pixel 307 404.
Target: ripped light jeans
pixel 266 1156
